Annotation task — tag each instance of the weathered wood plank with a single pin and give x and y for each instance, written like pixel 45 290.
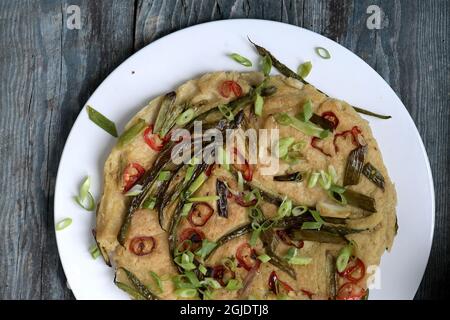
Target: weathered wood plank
pixel 47 72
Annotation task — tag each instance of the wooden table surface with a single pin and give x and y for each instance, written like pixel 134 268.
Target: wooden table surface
pixel 48 71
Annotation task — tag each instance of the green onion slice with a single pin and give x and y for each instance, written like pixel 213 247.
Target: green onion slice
pixel 240 59
pixel 164 175
pixel 333 174
pixel 264 258
pixel 307 113
pixel 292 258
pixel 189 173
pixel 186 293
pixel 63 224
pixel 304 69
pixel 317 216
pixel 299 210
pixel 230 264
pixel 134 191
pixel 185 260
pixel 203 199
pixel 323 53
pixel 185 117
pixel 259 104
pixel 186 209
pixel 307 128
pixel 202 269
pixel 157 280
pixel 266 65
pixel 298 146
pixel 211 282
pixel 344 255
pixel 131 133
pixel 283 146
pixel 85 198
pixel 223 158
pixel 311 225
pixel 149 203
pixel 198 182
pixel 325 180
pixel 206 248
pixel 226 112
pixel 102 121
pixel 94 251
pixel 313 178
pixel 285 209
pixel 233 285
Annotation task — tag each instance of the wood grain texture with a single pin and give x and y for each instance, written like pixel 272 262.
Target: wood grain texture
pixel 47 72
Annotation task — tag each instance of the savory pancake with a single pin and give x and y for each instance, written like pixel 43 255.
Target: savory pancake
pixel 315 228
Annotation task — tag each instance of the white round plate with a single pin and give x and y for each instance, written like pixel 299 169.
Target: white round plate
pixel 186 54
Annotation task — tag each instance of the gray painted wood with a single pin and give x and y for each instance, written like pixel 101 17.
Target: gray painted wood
pixel 47 72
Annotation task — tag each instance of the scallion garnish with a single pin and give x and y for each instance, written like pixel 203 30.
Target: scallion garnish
pixel 202 269
pixel 226 112
pixel 134 191
pixel 266 65
pixel 311 225
pixel 307 112
pixel 94 251
pixel 131 133
pixel 149 203
pixel 283 146
pixel 240 59
pixel 325 180
pixel 102 121
pixel 285 209
pixel 304 69
pixel 344 255
pixel 206 248
pixel 292 258
pixel 259 104
pixel 337 193
pixel 313 178
pixel 223 158
pixel 157 280
pixel 264 258
pixel 85 198
pixel 233 285
pixel 323 53
pixel 63 224
pixel 198 182
pixel 186 209
pixel 185 260
pixel 299 210
pixel 307 128
pixel 203 199
pixel 185 117
pixel 211 282
pixel 186 293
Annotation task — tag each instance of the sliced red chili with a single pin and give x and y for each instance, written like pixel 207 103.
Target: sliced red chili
pixel 194 236
pixel 229 86
pixel 276 285
pixel 350 291
pixel 285 238
pixel 242 165
pixel 142 246
pixel 210 170
pixel 246 256
pixel 200 213
pixel 132 173
pixel 314 144
pixel 153 140
pixel 355 271
pixel 330 116
pixel 307 293
pixel 222 274
pixel 357 137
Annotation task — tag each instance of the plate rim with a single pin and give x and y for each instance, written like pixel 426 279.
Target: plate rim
pixel 241 20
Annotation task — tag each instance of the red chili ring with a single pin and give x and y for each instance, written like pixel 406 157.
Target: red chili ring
pixel 142 246
pixel 331 117
pixel 200 213
pixel 195 236
pixel 242 257
pixel 356 265
pixel 349 291
pixel 130 178
pixel 274 281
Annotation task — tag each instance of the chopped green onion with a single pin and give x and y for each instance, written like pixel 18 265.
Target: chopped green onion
pixel 63 224
pixel 298 211
pixel 323 53
pixel 337 193
pixel 264 258
pixel 226 112
pixel 206 248
pixel 149 203
pixel 311 225
pixel 292 258
pixel 285 209
pixel 255 214
pixel 313 178
pixel 307 128
pixel 317 216
pixel 94 251
pixel 186 209
pixel 183 247
pixel 266 65
pixel 185 117
pixel 223 158
pixel 211 282
pixel 189 173
pixel 131 133
pixel 191 276
pixel 325 180
pixel 283 146
pixel 304 69
pixel 157 280
pixel 186 293
pixel 134 191
pixel 185 260
pixel 198 182
pixel 307 113
pixel 344 255
pixel 202 269
pixel 298 146
pixel 240 181
pixel 240 59
pixel 254 237
pixel 85 198
pixel 259 104
pixel 164 176
pixel 230 264
pixel 203 199
pixel 233 285
pixel 102 121
pixel 333 174
pixel 179 282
